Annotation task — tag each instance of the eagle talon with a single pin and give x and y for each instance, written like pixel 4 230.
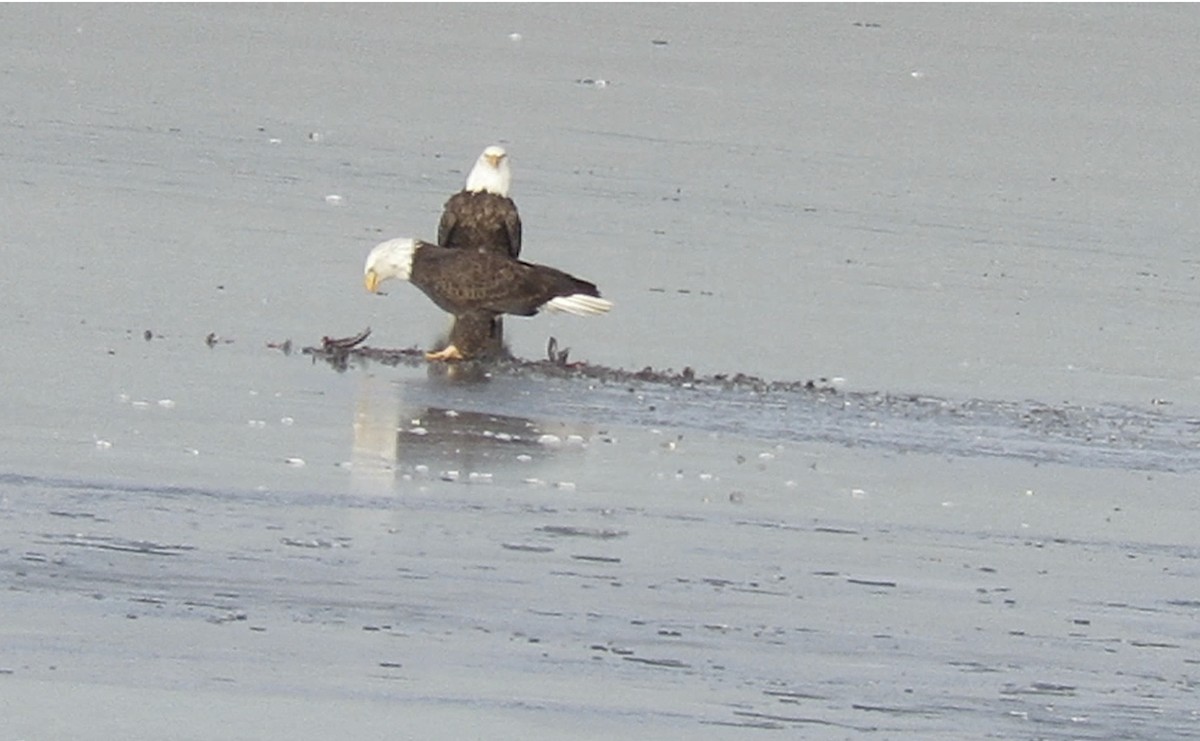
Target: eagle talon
pixel 450 353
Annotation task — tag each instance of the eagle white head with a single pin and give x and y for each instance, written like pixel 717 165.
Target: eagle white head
pixel 390 259
pixel 490 173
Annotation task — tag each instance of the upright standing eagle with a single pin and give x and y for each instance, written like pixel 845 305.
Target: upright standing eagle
pixel 479 286
pixel 482 217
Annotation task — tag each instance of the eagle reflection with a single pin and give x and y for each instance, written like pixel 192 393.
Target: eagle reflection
pixel 428 442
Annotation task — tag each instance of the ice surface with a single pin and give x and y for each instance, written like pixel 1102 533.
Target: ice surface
pixel 985 214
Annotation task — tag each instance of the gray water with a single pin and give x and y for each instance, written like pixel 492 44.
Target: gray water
pixel 976 223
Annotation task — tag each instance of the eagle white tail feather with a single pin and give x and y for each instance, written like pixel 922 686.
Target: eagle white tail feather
pixel 579 304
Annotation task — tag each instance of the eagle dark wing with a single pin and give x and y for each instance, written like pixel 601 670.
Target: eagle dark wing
pixel 463 281
pixel 512 225
pixel 448 223
pixel 481 221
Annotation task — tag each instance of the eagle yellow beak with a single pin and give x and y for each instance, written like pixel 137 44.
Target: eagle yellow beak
pixel 494 159
pixel 371 280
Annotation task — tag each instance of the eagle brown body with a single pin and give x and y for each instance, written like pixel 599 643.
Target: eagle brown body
pixel 481 221
pixel 464 282
pixel 482 217
pixel 477 287
pixel 478 336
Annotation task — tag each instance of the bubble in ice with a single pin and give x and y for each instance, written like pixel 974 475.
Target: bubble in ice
pixel 565 485
pixel 514 36
pixel 166 403
pixel 257 424
pixel 287 421
pixel 294 461
pixel 524 457
pixel 449 475
pixel 550 441
pixel 103 445
pixel 418 431
pixel 333 199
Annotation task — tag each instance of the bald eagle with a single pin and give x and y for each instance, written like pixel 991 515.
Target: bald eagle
pixel 474 285
pixel 481 216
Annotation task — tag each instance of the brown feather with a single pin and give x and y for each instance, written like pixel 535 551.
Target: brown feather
pixel 481 221
pixel 478 335
pixel 462 281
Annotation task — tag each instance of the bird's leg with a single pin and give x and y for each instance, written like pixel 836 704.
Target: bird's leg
pixel 450 353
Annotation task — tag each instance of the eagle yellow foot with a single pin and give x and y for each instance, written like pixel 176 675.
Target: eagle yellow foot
pixel 450 353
